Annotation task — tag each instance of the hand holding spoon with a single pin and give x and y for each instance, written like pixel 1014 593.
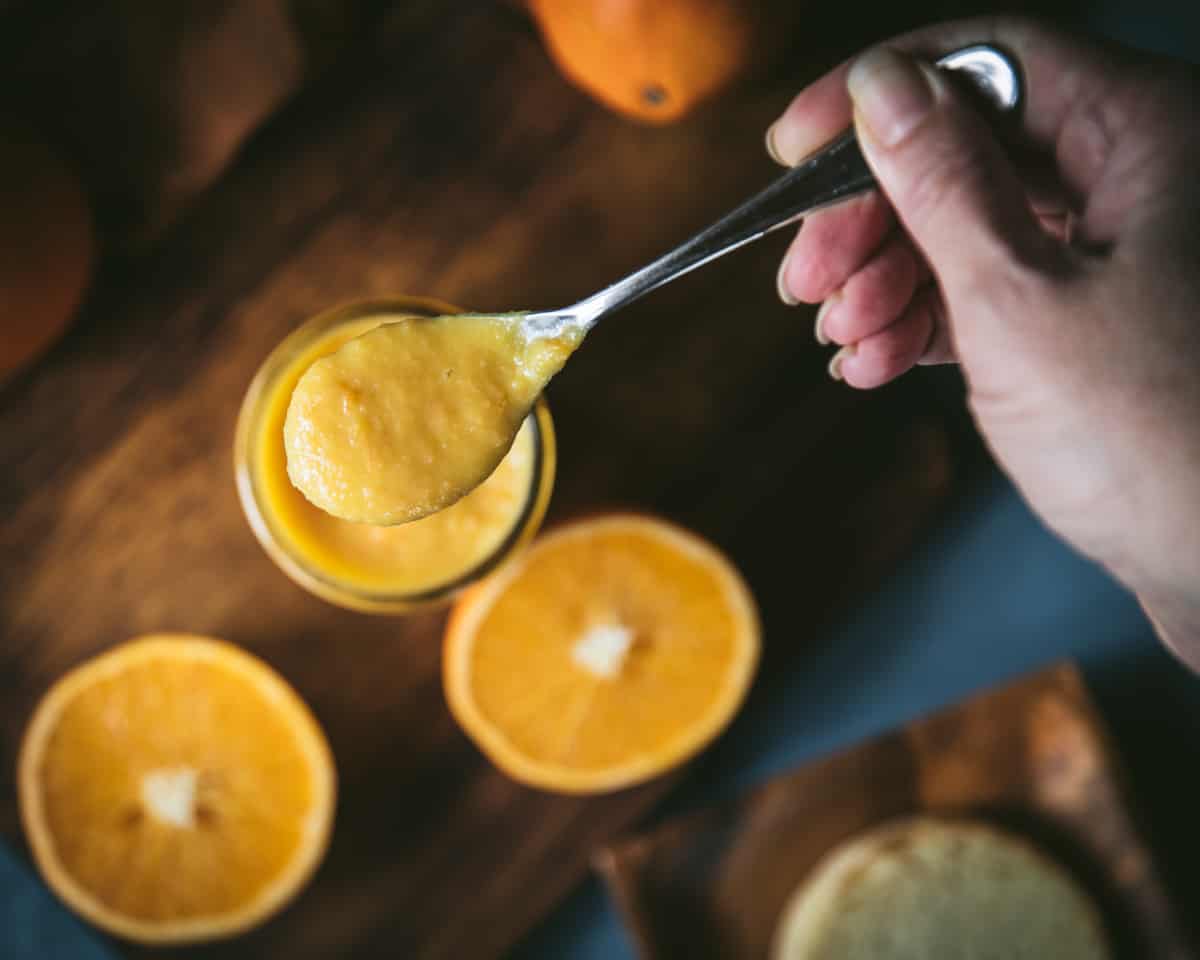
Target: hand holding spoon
pixel 409 417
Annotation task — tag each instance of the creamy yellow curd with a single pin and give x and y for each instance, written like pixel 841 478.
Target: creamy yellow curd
pixel 405 419
pixel 369 566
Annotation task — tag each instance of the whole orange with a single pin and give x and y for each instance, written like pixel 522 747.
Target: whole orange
pixel 650 59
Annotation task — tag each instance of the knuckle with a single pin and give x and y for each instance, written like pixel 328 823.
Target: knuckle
pixel 893 355
pixel 940 173
pixel 869 297
pixel 884 285
pixel 895 350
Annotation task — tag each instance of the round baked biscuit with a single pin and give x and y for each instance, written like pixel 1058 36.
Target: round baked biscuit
pixel 923 887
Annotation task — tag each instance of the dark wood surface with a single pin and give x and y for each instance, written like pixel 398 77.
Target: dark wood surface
pixel 449 161
pixel 1033 756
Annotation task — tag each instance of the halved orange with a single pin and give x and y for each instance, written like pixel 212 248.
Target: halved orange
pixel 608 653
pixel 175 789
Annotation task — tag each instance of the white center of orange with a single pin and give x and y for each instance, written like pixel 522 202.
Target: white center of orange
pixel 169 794
pixel 602 649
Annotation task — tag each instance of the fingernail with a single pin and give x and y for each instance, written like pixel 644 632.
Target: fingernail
pixel 891 94
pixel 819 326
pixel 772 150
pixel 835 365
pixel 781 285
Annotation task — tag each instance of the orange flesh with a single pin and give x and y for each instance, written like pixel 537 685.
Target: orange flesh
pixel 677 637
pixel 253 793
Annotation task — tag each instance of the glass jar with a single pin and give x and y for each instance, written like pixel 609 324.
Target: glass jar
pixel 380 569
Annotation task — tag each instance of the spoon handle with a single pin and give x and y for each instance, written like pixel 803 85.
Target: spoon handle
pixel 835 172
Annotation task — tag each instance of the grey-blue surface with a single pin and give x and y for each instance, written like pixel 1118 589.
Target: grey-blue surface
pixel 33 926
pixel 988 595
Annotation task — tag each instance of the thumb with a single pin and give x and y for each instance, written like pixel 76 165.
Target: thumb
pixel 942 170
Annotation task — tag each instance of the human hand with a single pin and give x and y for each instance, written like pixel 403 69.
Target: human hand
pixel 1066 282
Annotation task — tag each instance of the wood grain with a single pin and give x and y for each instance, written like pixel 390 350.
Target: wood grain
pixel 1032 756
pixel 149 102
pixel 452 163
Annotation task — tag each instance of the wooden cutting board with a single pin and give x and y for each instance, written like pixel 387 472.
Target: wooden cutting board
pixel 454 163
pixel 1032 756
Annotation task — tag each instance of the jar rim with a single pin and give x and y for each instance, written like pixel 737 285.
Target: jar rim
pixel 269 534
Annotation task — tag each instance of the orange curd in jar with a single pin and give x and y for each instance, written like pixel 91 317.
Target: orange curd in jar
pixel 380 568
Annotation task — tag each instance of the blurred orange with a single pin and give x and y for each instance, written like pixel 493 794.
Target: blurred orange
pixel 47 247
pixel 650 59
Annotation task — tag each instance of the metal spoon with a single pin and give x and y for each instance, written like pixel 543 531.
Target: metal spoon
pixel 546 339
pixel 834 173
